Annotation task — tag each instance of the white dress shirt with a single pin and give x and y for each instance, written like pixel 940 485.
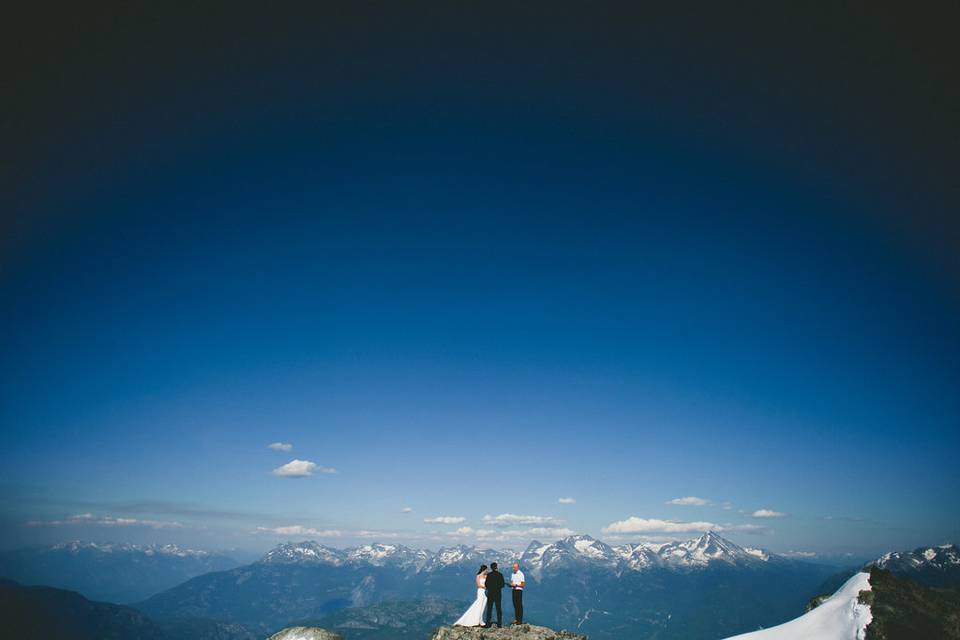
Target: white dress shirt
pixel 517 579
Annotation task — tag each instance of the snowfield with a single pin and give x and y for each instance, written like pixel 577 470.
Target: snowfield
pixel 840 617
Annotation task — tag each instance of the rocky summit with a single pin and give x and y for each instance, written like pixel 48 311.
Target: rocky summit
pixel 305 633
pixel 509 632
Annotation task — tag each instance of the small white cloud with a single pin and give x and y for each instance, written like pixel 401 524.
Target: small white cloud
pixel 406 510
pixel 280 446
pixel 689 501
pixel 767 513
pixel 300 530
pixel 567 501
pixel 633 524
pixel 445 520
pixel 799 554
pixel 475 533
pixel 301 469
pixel 510 519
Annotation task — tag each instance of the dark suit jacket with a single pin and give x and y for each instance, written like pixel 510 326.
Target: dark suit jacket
pixel 494 582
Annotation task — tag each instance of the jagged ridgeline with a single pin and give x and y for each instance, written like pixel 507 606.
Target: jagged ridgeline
pixel 931 566
pixel 707 587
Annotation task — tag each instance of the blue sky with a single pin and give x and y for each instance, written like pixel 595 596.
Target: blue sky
pixel 474 302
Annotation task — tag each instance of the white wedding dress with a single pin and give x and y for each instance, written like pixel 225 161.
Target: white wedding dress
pixel 473 617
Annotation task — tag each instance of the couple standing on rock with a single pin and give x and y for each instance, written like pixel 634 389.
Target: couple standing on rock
pixel 489 584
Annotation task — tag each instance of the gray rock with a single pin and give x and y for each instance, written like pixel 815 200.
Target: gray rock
pixel 305 633
pixel 509 632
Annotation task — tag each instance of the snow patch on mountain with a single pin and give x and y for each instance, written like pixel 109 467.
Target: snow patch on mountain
pixel 701 552
pixel 570 552
pixel 380 555
pixel 944 557
pixel 307 552
pixel 839 617
pixel 464 554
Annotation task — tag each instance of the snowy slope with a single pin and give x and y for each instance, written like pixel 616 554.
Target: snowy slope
pixel 840 617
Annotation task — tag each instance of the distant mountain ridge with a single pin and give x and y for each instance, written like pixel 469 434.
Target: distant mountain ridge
pixel 701 589
pixel 675 590
pixel 697 553
pixel 931 566
pixel 79 546
pixel 381 555
pixel 568 552
pixel 119 573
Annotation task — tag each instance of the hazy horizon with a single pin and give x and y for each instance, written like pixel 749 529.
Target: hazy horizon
pixel 252 553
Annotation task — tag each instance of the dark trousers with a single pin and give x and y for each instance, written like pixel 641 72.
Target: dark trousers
pixel 493 598
pixel 518 605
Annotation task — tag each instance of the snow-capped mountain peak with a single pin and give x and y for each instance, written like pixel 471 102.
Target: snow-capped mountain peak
pixel 943 558
pixel 570 551
pixel 447 556
pixel 637 557
pixel 587 546
pixel 379 554
pixel 708 548
pixel 469 555
pixel 306 552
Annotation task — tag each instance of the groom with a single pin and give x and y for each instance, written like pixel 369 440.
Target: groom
pixel 493 584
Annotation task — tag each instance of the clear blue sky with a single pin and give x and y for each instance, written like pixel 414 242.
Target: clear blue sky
pixel 474 286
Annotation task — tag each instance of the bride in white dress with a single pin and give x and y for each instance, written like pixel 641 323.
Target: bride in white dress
pixel 473 617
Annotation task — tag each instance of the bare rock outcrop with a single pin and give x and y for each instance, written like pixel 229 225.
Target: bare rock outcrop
pixel 305 633
pixel 510 632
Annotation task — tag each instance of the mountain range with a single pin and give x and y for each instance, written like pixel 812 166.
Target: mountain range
pixel 570 552
pixel 708 587
pixel 583 550
pixel 120 573
pixel 931 566
pixel 673 590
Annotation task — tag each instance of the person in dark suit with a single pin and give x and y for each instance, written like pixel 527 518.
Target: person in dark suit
pixel 493 585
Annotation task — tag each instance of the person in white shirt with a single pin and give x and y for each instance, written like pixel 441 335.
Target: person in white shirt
pixel 517 583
